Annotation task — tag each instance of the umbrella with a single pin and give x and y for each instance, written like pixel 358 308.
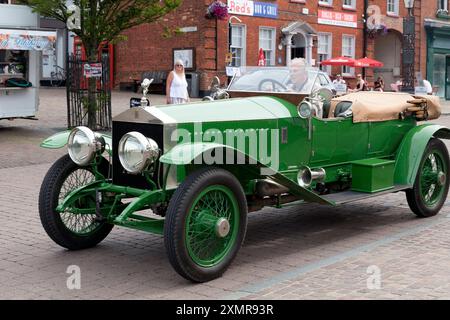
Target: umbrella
pixel 368 63
pixel 339 61
pixel 261 58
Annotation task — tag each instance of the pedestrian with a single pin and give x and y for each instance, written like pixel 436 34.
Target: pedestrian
pixel 338 80
pixel 428 86
pixel 360 84
pixel 176 88
pixel 379 84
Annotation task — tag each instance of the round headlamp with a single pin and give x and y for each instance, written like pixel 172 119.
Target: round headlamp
pixel 305 110
pixel 137 152
pixel 83 145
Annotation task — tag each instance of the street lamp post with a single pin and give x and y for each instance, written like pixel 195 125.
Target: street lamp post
pixel 409 35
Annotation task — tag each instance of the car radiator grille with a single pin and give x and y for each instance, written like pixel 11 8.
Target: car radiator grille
pixel 119 175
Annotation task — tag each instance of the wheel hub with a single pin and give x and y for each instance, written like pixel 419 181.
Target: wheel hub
pixel 441 178
pixel 222 228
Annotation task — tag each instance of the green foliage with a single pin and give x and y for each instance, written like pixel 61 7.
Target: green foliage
pixel 104 20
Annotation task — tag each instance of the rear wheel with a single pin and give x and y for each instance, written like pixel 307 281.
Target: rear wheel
pixel 205 224
pixel 70 230
pixel 430 189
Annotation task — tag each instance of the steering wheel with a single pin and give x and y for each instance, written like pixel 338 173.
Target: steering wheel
pixel 274 84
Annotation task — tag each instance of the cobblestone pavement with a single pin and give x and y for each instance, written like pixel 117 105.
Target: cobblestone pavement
pixel 300 252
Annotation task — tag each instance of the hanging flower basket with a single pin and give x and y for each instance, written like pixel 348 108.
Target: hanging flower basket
pixel 378 30
pixel 217 10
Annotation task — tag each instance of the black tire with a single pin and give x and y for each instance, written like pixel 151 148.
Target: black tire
pixel 414 196
pixel 176 218
pixel 52 221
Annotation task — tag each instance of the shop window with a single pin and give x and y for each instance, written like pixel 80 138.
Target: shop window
pixel 439 73
pixel 267 43
pixel 238 45
pixel 324 50
pixel 13 67
pixel 393 7
pixel 348 50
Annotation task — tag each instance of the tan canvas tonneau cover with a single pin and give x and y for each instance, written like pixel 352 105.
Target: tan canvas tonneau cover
pixel 369 106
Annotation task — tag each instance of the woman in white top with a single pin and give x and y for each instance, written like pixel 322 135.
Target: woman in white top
pixel 176 89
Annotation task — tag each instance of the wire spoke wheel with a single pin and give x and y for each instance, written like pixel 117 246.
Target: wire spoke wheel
pixel 72 229
pixel 212 225
pixel 205 224
pixel 430 189
pixel 432 179
pixel 81 224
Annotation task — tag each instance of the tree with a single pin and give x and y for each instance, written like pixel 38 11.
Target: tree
pixel 101 21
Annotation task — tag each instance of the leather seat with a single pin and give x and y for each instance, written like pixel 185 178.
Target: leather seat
pixel 343 109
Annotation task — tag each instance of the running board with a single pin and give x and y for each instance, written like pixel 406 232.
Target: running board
pixel 352 196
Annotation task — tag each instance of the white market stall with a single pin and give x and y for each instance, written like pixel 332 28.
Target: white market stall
pixel 21 44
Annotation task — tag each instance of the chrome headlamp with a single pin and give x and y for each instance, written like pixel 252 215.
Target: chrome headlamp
pixel 137 152
pixel 305 110
pixel 84 144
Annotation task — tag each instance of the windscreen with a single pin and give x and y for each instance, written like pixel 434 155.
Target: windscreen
pixel 293 79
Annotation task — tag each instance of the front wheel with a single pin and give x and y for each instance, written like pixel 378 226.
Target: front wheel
pixel 205 224
pixel 73 231
pixel 430 189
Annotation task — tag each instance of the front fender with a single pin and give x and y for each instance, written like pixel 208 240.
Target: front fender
pixel 186 153
pixel 412 149
pixel 60 139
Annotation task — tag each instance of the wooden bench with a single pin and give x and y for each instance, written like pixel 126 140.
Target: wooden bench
pixel 159 81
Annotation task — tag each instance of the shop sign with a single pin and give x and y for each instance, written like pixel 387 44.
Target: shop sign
pixel 233 71
pixel 339 19
pixel 341 88
pixel 253 8
pixel 26 39
pixel 265 10
pixel 93 70
pixel 420 91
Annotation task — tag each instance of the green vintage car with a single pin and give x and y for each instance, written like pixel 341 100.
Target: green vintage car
pixel 193 172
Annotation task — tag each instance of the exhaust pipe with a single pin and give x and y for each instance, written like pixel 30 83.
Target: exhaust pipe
pixel 306 176
pixel 268 188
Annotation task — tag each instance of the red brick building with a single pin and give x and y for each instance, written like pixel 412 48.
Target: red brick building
pixel 285 29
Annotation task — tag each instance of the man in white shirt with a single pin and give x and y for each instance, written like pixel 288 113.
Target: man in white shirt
pixel 427 85
pixel 338 80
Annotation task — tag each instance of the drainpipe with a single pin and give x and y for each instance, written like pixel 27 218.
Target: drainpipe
pixel 366 6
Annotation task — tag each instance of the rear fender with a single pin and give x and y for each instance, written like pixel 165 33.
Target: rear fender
pixel 412 149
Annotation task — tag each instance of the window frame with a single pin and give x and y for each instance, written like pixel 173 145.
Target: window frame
pixel 273 43
pixel 396 4
pixel 443 2
pixel 244 45
pixel 349 6
pixel 328 69
pixel 327 3
pixel 353 48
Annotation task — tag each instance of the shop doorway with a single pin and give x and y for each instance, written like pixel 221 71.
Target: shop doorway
pixel 447 79
pixel 298 49
pixel 388 49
